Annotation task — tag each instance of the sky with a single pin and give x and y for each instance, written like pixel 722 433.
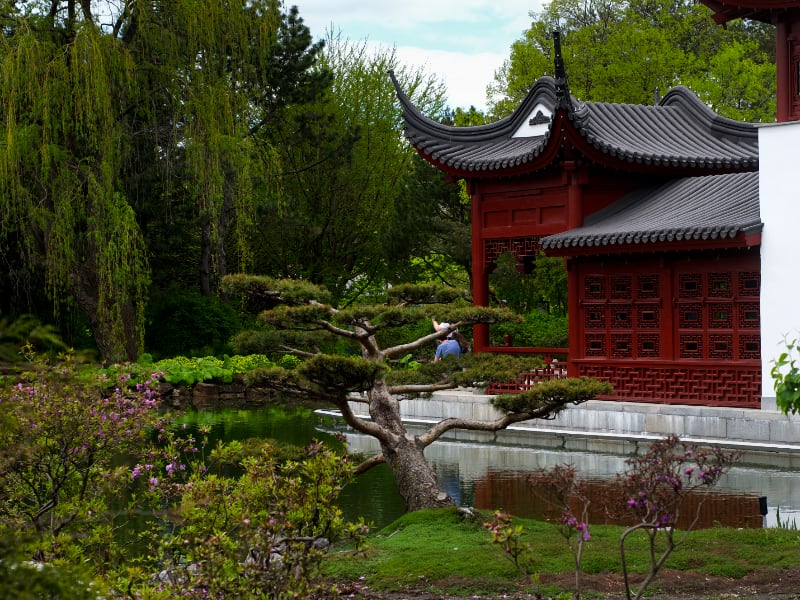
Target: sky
pixel 462 42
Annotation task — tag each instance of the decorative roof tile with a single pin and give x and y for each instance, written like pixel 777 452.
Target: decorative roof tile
pixel 679 132
pixel 691 208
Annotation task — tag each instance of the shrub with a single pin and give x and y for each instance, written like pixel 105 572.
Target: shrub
pixel 538 329
pixel 60 444
pixel 186 322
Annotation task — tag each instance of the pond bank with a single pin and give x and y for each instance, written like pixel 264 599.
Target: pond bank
pixel 765 437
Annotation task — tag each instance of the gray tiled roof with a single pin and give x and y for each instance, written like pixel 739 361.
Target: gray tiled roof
pixel 680 132
pixel 691 208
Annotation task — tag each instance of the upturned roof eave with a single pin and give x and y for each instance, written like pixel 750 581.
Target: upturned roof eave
pixel 571 124
pixel 543 90
pixel 730 10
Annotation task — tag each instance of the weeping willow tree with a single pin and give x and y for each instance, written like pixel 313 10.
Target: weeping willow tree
pixel 61 156
pixel 123 116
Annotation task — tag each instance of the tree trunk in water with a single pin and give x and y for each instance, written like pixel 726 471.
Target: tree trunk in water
pixel 414 477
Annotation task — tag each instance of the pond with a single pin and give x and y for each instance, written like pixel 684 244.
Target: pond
pixel 490 476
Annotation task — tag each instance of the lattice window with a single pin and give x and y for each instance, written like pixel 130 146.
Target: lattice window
pixel 736 387
pixel 519 247
pixel 649 345
pixel 620 317
pixel 749 347
pixel 648 316
pixel 621 287
pixel 720 316
pixel 720 285
pixel 690 316
pixel 691 346
pixel 621 345
pixel 595 344
pixel 647 287
pixel 690 285
pixel 720 346
pixel 594 317
pixel 749 283
pixel 594 287
pixel 749 315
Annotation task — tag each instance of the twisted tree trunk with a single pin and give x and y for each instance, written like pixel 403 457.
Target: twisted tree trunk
pixel 415 479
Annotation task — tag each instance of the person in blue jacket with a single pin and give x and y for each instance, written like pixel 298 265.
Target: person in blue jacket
pixel 454 343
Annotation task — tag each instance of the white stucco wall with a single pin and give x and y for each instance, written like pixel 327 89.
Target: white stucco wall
pixel 779 191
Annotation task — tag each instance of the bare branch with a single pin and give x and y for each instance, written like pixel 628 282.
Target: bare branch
pixel 405 348
pixel 339 331
pixel 420 388
pixel 439 429
pixel 374 461
pixel 362 425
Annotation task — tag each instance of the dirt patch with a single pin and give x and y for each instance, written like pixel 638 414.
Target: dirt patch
pixel 773 584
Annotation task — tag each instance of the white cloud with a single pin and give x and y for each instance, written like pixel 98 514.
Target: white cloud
pixel 462 42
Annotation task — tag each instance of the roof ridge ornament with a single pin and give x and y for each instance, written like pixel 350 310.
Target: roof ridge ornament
pixel 562 91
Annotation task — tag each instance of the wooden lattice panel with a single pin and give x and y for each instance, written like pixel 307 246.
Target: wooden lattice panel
pixel 749 315
pixel 690 285
pixel 648 287
pixel 519 247
pixel 691 345
pixel 622 345
pixel 621 287
pixel 739 386
pixel 690 316
pixel 594 317
pixel 720 346
pixel 749 284
pixel 595 344
pixel 621 316
pixel 594 287
pixel 720 316
pixel 720 285
pixel 648 345
pixel 750 346
pixel 648 316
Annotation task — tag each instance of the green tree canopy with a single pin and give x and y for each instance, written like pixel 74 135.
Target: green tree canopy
pixel 630 51
pixel 344 164
pixel 121 116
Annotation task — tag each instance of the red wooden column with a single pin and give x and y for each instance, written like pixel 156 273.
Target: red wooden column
pixel 574 299
pixel 480 276
pixel 783 68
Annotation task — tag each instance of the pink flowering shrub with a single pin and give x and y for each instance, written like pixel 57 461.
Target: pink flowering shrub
pixel 60 446
pixel 508 537
pixel 568 491
pixel 654 489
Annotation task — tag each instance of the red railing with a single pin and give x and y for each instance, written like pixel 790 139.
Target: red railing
pixel 555 367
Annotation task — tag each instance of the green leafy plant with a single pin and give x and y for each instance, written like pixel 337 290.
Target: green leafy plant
pixel 786 377
pixel 508 537
pixel 261 532
pixel 61 440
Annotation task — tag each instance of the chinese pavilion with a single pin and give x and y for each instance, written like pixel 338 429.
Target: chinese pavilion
pixel 655 210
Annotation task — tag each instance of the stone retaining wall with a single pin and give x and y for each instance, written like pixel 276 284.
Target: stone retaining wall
pixel 765 437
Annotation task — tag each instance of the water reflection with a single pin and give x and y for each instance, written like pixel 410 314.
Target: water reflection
pixel 490 476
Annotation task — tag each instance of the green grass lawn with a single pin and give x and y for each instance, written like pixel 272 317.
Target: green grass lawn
pixel 439 551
